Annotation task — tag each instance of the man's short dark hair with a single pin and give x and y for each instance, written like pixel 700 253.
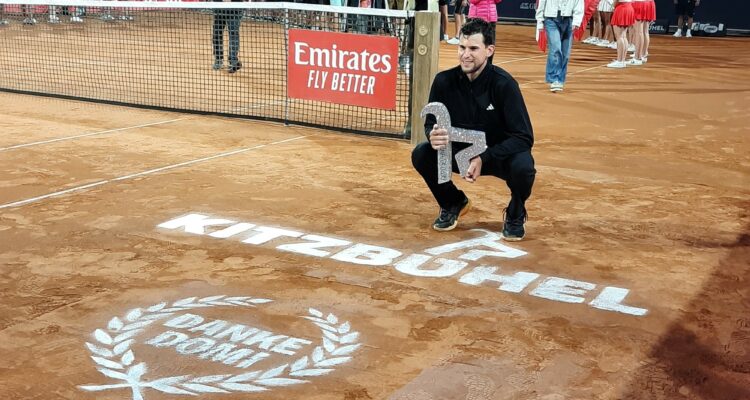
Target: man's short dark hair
pixel 478 25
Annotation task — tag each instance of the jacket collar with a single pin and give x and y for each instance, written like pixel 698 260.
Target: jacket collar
pixel 483 76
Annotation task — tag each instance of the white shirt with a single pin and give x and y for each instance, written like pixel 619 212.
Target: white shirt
pixel 567 8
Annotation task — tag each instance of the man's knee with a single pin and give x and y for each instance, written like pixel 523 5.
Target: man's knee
pixel 522 165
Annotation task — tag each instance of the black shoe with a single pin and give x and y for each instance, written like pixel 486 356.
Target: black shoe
pixel 234 67
pixel 448 218
pixel 513 229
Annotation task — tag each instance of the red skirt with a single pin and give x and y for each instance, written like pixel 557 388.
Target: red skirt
pixel 639 7
pixel 650 11
pixel 624 15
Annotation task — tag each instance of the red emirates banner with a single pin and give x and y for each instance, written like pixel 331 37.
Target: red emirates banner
pixel 343 68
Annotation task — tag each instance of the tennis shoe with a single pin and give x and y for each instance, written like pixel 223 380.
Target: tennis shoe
pixel 513 228
pixel 448 218
pixel 234 66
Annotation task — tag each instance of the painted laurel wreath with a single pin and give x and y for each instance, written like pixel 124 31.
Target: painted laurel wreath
pixel 116 359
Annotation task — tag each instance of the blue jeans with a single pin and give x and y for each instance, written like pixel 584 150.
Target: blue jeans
pixel 230 18
pixel 559 41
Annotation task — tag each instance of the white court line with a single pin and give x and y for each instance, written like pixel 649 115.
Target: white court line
pixel 571 73
pixel 151 171
pixel 521 59
pixel 18 146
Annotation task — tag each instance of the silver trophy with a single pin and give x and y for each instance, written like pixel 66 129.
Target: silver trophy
pixel 477 140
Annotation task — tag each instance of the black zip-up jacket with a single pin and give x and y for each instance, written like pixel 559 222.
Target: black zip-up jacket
pixel 492 103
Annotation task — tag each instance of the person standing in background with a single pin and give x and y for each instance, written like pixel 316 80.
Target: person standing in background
pixel 486 10
pixel 443 7
pixel 558 19
pixel 459 13
pixel 640 7
pixel 606 7
pixel 231 19
pixel 3 21
pixel 650 17
pixel 685 10
pixel 622 19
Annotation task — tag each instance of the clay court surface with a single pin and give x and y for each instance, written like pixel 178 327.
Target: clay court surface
pixel 643 184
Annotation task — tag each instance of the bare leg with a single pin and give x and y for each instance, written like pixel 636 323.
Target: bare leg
pixel 459 17
pixel 608 33
pixel 596 25
pixel 646 40
pixel 630 35
pixel 621 34
pixel 638 38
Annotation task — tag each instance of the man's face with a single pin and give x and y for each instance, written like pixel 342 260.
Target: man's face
pixel 472 53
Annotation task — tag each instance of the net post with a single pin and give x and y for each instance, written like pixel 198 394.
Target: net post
pixel 425 63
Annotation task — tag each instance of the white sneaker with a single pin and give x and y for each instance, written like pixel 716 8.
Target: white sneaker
pixel 453 41
pixel 29 21
pixel 76 19
pixel 555 87
pixel 54 20
pixel 631 48
pixel 616 64
pixel 678 33
pixel 612 45
pixel 602 43
pixel 4 22
pixel 688 34
pixel 445 37
pixel 634 61
pixel 591 40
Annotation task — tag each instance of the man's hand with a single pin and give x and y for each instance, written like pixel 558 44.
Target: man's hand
pixel 475 169
pixel 438 138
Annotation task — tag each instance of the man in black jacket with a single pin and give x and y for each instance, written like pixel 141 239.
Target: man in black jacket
pixel 231 18
pixel 483 97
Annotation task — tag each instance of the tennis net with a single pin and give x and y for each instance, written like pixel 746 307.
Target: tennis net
pixel 218 58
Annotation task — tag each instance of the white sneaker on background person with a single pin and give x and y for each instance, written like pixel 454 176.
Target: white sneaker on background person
pixel 634 61
pixel 602 43
pixel 616 64
pixel 688 34
pixel 453 40
pixel 556 87
pixel 678 33
pixel 76 19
